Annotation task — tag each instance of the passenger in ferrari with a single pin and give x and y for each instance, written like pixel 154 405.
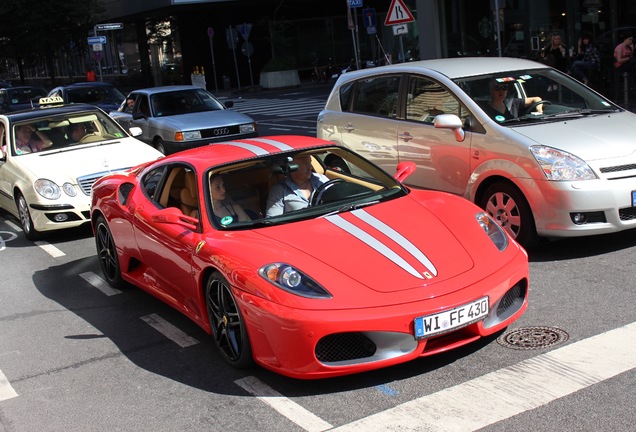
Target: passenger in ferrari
pixel 225 210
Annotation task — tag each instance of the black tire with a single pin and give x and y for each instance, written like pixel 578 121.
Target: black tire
pixel 26 221
pixel 507 205
pixel 107 254
pixel 226 320
pixel 159 145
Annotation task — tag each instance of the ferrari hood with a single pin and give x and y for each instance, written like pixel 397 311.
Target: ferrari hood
pixel 388 247
pixel 590 138
pixel 88 159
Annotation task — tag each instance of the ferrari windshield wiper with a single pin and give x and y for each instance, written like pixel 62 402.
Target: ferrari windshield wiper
pixel 349 207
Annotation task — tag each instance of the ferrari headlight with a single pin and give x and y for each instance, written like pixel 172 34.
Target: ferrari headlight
pixel 560 165
pixel 292 280
pixel 495 233
pixel 47 189
pixel 187 136
pixel 69 189
pixel 247 128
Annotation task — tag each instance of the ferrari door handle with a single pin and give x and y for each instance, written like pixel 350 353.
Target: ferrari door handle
pixel 405 136
pixel 349 128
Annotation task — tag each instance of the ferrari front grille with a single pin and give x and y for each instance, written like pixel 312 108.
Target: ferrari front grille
pixel 344 346
pixel 627 214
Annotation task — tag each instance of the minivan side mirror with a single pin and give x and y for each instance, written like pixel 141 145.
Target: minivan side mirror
pixel 452 122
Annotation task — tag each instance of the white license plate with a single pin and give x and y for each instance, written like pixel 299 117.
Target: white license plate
pixel 443 322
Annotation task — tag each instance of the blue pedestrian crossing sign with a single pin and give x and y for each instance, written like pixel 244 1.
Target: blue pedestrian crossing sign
pixel 398 14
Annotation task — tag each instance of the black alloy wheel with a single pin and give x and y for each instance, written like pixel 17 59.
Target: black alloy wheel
pixel 107 253
pixel 228 327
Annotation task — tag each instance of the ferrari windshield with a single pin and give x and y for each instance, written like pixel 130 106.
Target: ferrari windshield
pixel 534 95
pixel 295 186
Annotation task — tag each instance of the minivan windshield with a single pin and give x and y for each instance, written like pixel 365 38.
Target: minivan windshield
pixel 533 95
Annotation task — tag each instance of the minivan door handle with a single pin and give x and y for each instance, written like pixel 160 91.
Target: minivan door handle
pixel 405 136
pixel 349 127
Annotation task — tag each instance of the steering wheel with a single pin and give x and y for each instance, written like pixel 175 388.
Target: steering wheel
pixel 536 104
pixel 316 197
pixel 92 137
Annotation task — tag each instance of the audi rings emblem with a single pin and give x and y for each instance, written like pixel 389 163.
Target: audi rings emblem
pixel 221 131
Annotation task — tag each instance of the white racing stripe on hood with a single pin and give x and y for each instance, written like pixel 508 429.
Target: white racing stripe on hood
pixel 260 151
pixel 279 145
pixel 396 237
pixel 374 243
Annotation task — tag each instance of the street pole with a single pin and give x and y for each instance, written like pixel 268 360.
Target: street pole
pixel 210 36
pixel 99 62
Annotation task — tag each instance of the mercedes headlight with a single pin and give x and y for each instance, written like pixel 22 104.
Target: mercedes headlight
pixel 495 233
pixel 560 165
pixel 47 189
pixel 69 189
pixel 292 280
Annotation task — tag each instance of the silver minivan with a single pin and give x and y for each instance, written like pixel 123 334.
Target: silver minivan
pixel 545 155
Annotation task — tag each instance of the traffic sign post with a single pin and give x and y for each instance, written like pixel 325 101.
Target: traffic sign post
pixel 109 26
pixel 354 28
pixel 247 49
pixel 398 16
pixel 96 40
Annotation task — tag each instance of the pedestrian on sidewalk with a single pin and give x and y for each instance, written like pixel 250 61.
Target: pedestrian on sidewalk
pixel 623 54
pixel 90 74
pixel 589 60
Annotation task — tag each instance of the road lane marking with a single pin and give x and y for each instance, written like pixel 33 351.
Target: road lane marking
pixel 290 409
pixel 9 236
pixel 502 394
pixel 50 249
pixel 6 391
pixel 11 224
pixel 169 330
pixel 99 283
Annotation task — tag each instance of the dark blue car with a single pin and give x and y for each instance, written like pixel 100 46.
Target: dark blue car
pixel 20 98
pixel 103 95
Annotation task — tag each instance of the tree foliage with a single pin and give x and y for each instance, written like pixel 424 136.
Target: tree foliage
pixel 40 29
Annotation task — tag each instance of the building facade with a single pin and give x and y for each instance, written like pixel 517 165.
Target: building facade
pixel 232 41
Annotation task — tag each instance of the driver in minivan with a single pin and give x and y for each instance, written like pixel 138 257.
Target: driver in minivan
pixel 501 107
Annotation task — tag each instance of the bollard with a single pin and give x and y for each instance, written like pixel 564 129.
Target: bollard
pixel 226 83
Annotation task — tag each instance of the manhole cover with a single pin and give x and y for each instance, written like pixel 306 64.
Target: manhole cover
pixel 526 338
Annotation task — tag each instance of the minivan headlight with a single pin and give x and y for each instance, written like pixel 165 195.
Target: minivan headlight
pixel 560 165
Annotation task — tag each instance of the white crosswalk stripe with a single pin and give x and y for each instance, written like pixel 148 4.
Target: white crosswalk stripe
pixel 279 107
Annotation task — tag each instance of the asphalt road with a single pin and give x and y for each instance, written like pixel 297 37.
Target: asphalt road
pixel 78 356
